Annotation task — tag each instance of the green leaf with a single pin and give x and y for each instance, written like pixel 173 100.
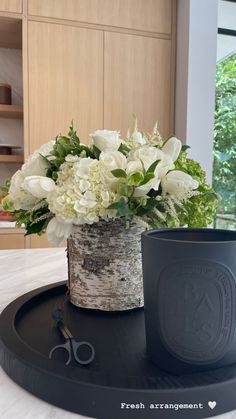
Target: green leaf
pixel 124 149
pixel 147 177
pixel 72 133
pixel 118 173
pixel 125 211
pixel 122 208
pixel 153 166
pixel 135 179
pixel 61 150
pixel 36 228
pixel 85 149
pixel 185 147
pixel 96 152
pixel 8 204
pixel 117 204
pixel 6 185
pixel 54 175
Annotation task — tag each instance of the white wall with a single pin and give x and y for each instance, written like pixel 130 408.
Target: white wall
pixel 226 15
pixel 195 77
pixel 226 19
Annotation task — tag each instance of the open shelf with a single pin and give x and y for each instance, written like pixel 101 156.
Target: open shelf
pixel 11 111
pixel 10 33
pixel 11 158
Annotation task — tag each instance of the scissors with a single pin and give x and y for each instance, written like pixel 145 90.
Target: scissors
pixel 71 345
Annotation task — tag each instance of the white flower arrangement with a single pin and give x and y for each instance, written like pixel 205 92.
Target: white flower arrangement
pixel 141 177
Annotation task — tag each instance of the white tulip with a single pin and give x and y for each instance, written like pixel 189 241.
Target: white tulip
pixel 144 189
pixel 147 155
pixel 178 184
pixel 164 166
pixel 38 186
pixel 106 140
pixel 57 231
pixel 113 160
pixel 134 166
pixel 172 148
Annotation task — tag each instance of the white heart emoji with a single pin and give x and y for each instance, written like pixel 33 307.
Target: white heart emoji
pixel 212 405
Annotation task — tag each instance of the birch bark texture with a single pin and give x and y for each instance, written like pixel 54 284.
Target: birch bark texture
pixel 105 267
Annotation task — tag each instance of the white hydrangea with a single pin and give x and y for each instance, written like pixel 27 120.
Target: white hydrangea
pixel 82 194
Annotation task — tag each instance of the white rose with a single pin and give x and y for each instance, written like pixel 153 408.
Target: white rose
pixel 45 149
pixel 178 184
pixel 57 231
pixel 38 186
pixel 147 155
pixel 36 164
pixel 21 199
pixel 113 160
pixel 172 148
pixel 106 140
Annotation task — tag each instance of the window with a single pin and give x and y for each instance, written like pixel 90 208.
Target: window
pixel 224 167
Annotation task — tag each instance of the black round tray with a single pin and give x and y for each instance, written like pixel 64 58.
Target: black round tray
pixel 120 372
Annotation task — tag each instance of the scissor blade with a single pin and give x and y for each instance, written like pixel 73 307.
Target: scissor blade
pixel 66 333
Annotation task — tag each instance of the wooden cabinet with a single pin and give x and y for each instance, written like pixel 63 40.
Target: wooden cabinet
pixel 13 6
pixel 12 238
pixel 35 242
pixel 65 81
pixel 137 80
pixel 146 15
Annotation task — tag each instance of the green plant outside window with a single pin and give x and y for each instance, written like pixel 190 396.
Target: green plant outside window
pixel 224 167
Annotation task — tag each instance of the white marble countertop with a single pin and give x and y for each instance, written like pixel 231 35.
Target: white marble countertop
pixel 22 271
pixel 7 224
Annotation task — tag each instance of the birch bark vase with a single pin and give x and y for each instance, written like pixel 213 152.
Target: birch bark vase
pixel 104 266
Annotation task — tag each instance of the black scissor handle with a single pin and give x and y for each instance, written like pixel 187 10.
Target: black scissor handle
pixel 66 347
pixel 76 345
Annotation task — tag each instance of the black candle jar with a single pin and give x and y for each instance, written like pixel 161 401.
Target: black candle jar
pixel 190 298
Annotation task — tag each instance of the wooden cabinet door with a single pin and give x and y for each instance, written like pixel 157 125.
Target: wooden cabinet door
pixel 35 242
pixel 11 238
pixel 13 6
pixel 137 81
pixel 146 15
pixel 65 81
